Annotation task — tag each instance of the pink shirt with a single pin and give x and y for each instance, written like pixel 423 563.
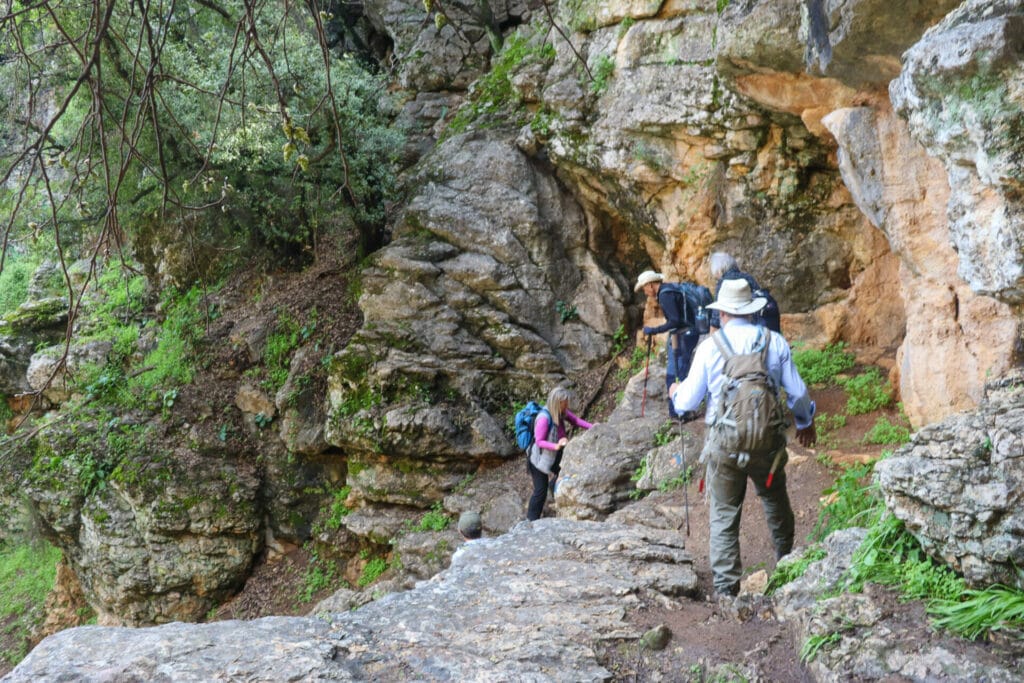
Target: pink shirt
pixel 543 424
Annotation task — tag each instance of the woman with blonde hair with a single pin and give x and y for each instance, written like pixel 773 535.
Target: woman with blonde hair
pixel 549 438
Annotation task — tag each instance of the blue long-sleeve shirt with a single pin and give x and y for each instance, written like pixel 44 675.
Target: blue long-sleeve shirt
pixel 706 378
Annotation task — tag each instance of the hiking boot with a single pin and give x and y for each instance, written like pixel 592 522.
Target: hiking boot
pixel 720 594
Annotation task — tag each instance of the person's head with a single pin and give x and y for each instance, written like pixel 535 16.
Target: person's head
pixel 470 526
pixel 558 402
pixel 648 282
pixel 720 263
pixel 736 301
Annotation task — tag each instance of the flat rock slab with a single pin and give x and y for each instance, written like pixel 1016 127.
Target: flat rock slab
pixel 528 605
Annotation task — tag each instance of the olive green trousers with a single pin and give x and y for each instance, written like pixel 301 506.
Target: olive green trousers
pixel 726 487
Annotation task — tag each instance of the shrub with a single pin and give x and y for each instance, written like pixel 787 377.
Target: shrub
pixel 821 367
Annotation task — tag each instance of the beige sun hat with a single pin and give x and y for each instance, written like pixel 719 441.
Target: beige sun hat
pixel 735 298
pixel 646 278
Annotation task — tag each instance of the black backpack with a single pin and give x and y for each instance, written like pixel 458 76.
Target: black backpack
pixel 769 315
pixel 694 297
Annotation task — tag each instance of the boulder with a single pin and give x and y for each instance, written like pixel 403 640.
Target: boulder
pixel 599 465
pixel 534 603
pixel 959 487
pixel 153 536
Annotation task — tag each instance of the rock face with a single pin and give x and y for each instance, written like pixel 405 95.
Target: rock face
pixel 487 296
pixel 960 91
pixel 532 603
pixel 959 487
pixel 761 128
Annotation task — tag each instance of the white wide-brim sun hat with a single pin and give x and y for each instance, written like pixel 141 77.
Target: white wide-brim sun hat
pixel 735 298
pixel 646 278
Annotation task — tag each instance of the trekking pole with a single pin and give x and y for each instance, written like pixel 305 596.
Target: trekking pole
pixel 686 478
pixel 647 367
pixel 771 472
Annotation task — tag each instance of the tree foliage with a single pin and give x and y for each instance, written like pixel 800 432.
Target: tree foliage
pixel 183 115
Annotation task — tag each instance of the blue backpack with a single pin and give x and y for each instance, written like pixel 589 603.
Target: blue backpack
pixel 524 424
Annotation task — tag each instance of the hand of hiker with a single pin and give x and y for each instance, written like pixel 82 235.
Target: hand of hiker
pixel 648 331
pixel 562 442
pixel 807 436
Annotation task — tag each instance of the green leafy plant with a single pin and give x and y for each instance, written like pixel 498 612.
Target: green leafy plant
pixel 665 434
pixel 602 72
pixel 790 570
pixel 566 311
pixel 814 644
pixel 635 364
pixel 866 392
pixel 338 509
pixel 980 611
pixel 680 480
pixel 822 366
pixel 435 519
pixel 14 280
pixel 638 474
pixel 883 555
pixel 620 340
pixel 851 501
pixel 885 432
pixel 827 425
pixel 494 92
pixel 318 576
pixel 288 335
pixel 372 571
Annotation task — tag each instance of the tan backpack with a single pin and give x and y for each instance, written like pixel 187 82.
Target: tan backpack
pixel 750 416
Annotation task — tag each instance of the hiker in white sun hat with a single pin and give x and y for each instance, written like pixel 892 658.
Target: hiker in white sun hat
pixel 739 370
pixel 682 305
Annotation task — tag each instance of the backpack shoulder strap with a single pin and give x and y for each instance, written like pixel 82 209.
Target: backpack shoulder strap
pixel 766 334
pixel 722 342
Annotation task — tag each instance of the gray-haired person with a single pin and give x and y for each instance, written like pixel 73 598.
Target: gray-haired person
pixel 470 525
pixel 722 267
